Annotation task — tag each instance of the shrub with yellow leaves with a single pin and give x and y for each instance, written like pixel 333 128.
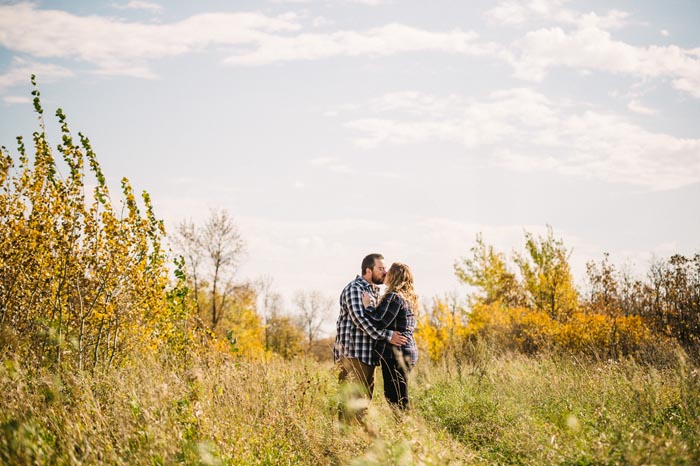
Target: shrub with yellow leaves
pixel 441 330
pixel 82 281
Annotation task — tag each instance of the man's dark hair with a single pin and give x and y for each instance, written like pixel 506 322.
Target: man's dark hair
pixel 368 261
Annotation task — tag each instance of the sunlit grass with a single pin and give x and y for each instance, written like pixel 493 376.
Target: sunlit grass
pixel 559 410
pixel 508 409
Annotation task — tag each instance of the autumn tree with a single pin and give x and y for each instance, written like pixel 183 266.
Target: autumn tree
pixel 672 300
pixel 226 306
pixel 188 245
pixel 487 271
pixel 668 300
pixel 284 336
pixel 82 281
pixel 313 308
pixel 603 288
pixel 241 325
pixel 223 246
pixel 441 329
pixel 617 315
pixel 546 275
pixel 270 304
pixel 212 253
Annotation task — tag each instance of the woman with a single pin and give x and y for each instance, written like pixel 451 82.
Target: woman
pixel 396 311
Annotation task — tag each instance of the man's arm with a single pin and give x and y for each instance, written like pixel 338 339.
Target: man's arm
pixel 353 301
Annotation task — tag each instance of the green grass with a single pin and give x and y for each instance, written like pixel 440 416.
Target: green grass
pixel 561 411
pixel 506 410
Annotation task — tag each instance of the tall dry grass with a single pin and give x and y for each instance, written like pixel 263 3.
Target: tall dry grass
pixel 215 411
pixel 491 409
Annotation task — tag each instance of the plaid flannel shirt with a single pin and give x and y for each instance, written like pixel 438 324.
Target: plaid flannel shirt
pixel 355 332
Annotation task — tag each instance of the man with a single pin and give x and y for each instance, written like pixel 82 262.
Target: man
pixel 354 341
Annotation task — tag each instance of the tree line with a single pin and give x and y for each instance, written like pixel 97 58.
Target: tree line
pixel 88 281
pixel 529 303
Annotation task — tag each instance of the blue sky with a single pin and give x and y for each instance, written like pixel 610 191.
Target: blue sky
pixel 334 128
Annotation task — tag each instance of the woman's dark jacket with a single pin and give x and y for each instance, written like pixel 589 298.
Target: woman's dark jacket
pixel 394 313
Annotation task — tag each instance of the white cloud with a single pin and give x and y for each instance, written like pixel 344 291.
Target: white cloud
pixel 124 48
pixel 369 2
pixel 385 175
pixel 16 99
pixel 21 70
pixel 592 48
pixel 377 42
pixel 691 86
pixel 359 2
pixel 332 164
pixel 613 19
pixel 520 12
pixel 117 47
pixel 471 123
pixel 521 129
pixel 379 130
pixel 414 102
pixel 589 46
pixel 637 107
pixel 140 5
pixel 517 12
pixel 322 161
pixel 342 169
pixel 320 21
pixel 664 33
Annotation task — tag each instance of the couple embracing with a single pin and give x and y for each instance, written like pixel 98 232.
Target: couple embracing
pixel 375 330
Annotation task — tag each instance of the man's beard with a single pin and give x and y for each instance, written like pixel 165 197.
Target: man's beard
pixel 377 281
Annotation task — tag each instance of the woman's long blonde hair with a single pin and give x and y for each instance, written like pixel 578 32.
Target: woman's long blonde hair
pixel 401 283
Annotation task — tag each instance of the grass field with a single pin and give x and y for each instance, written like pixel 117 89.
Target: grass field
pixel 496 409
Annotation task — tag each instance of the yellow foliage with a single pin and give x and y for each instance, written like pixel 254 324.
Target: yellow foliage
pixel 241 329
pixel 284 336
pixel 542 309
pixel 547 276
pixel 82 283
pixel 249 333
pixel 598 332
pixel 528 330
pixel 487 271
pixel 441 329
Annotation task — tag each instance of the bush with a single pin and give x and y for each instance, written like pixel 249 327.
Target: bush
pixel 82 281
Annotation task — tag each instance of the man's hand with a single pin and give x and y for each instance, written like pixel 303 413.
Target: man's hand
pixel 398 340
pixel 366 299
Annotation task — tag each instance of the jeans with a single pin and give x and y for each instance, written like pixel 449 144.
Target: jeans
pixel 354 370
pixel 358 381
pixel 395 372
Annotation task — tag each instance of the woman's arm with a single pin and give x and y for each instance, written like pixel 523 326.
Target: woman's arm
pixel 383 315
